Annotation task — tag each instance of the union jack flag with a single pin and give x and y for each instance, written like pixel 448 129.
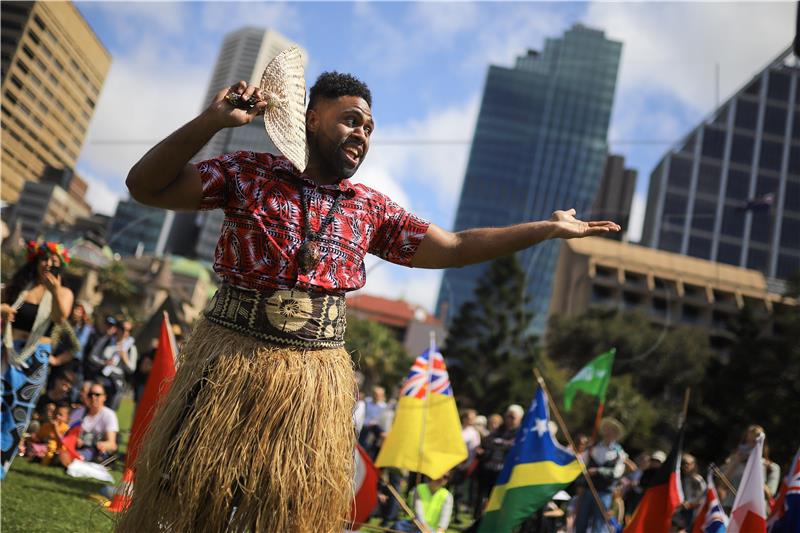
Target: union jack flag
pixel 418 383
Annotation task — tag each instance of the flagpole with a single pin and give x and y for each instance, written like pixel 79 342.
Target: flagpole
pixel 404 505
pixel 597 417
pixel 723 478
pixel 431 349
pixel 585 473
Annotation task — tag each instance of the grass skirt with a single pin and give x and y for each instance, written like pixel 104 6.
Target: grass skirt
pixel 251 437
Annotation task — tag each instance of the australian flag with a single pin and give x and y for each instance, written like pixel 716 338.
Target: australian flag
pixel 784 516
pixel 711 518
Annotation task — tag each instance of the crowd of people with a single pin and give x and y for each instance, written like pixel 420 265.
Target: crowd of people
pixel 619 480
pixel 64 367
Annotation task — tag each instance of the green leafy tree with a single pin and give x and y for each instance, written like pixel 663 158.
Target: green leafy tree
pixel 758 383
pixel 376 352
pixel 12 261
pixel 490 351
pixel 113 282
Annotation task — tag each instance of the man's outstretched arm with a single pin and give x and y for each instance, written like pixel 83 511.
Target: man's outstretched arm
pixel 443 249
pixel 163 177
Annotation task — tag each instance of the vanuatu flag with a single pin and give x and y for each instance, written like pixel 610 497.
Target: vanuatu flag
pixel 536 468
pixel 426 432
pixel 592 379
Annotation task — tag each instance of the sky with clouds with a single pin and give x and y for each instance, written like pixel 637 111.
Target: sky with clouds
pixel 425 64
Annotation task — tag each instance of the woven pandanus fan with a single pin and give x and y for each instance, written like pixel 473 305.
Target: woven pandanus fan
pixel 283 85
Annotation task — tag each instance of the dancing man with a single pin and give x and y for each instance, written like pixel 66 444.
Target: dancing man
pixel 257 430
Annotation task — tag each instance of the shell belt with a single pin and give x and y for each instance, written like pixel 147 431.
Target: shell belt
pixel 284 316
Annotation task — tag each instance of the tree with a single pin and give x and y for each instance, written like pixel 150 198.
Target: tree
pixel 113 283
pixel 376 352
pixel 490 351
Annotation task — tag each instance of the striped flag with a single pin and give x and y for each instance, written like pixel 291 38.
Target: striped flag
pixel 785 514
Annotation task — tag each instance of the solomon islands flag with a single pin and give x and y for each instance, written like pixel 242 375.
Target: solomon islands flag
pixel 535 469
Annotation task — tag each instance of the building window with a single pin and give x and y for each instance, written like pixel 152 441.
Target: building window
pixel 691 313
pixel 59 65
pixel 16 81
pixel 33 37
pixel 708 178
pixel 732 222
pixel 742 149
pixel 39 22
pixel 778 87
pixel 680 172
pixel 713 143
pixel 771 155
pixel 746 114
pixel 28 52
pixel 756 259
pixel 775 120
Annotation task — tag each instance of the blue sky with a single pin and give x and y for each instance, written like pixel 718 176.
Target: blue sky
pixel 426 64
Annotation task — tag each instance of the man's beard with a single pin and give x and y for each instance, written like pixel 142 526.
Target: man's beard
pixel 331 159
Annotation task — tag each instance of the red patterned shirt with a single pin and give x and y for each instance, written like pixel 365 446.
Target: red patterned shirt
pixel 263 229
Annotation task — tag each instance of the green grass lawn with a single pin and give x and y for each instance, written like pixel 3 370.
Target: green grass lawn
pixel 43 499
pixel 39 499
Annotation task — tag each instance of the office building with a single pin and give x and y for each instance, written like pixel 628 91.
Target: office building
pixel 729 191
pixel 669 288
pixel 57 198
pixel 244 55
pixel 539 145
pixel 137 229
pixel 615 195
pixel 53 67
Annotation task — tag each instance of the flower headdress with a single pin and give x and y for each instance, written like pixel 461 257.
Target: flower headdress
pixel 46 249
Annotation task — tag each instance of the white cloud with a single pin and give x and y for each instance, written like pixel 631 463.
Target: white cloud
pixel 418 286
pixel 636 220
pixel 100 196
pixel 144 99
pixel 674 47
pixel 130 19
pixel 227 16
pixel 431 153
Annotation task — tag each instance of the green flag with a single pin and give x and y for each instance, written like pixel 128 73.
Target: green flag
pixel 591 379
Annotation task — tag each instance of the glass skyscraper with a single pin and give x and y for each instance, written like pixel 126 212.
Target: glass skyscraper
pixel 730 190
pixel 540 145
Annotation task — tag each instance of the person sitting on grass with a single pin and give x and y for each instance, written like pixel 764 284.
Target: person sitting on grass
pixel 99 428
pixel 45 444
pixel 433 506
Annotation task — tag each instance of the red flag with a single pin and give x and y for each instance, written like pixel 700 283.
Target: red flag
pixel 366 488
pixel 661 497
pixel 749 513
pixel 70 440
pixel 157 386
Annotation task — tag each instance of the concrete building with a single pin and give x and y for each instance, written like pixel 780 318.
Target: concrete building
pixel 53 67
pixel 669 288
pixel 539 145
pixel 615 195
pixel 58 198
pixel 243 56
pixel 411 324
pixel 137 229
pixel 729 191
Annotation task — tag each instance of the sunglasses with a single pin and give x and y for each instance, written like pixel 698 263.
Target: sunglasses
pixel 95 394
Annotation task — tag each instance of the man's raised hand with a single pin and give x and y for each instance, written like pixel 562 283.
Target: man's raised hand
pixel 569 227
pixel 226 115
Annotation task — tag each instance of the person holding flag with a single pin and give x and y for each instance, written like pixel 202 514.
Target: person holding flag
pixel 749 513
pixel 536 468
pixel 606 467
pixel 711 517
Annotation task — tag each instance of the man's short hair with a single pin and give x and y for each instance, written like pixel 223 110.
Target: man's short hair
pixel 516 410
pixel 335 84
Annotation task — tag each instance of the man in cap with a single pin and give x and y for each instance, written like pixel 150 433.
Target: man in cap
pixel 292 244
pixel 605 467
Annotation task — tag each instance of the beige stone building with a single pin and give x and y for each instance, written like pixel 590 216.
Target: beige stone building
pixel 53 68
pixel 669 288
